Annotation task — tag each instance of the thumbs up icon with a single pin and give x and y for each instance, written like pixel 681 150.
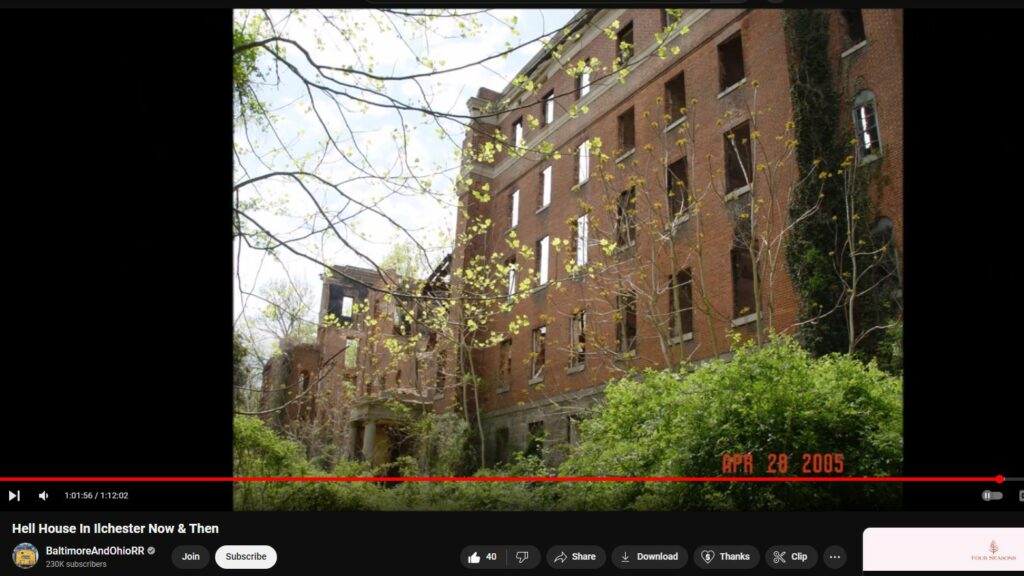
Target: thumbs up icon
pixel 474 558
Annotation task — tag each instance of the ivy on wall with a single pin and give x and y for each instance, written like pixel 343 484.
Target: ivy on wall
pixel 814 254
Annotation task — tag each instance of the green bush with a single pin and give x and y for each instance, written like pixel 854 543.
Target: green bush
pixel 480 496
pixel 259 451
pixel 441 445
pixel 890 349
pixel 773 399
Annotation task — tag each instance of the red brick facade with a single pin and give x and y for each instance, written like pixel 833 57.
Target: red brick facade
pixel 702 243
pixel 338 393
pixel 526 403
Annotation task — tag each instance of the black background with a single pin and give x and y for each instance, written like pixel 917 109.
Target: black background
pixel 415 543
pixel 118 261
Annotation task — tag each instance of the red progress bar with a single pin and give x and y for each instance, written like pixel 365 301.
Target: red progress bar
pixel 997 479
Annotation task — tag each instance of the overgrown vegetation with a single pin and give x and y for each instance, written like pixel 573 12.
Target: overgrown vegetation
pixel 245 71
pixel 825 252
pixel 777 398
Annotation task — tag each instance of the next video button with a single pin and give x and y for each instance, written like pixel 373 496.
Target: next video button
pixel 246 557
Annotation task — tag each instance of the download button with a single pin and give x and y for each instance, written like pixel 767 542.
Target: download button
pixel 668 557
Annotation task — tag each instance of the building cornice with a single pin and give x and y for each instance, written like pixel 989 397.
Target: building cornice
pixel 598 88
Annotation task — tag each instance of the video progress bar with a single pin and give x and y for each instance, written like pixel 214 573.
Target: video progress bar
pixel 999 479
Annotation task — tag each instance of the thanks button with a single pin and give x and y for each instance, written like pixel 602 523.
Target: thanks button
pixel 246 557
pixel 727 557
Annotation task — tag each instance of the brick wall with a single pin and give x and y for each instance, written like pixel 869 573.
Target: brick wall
pixel 704 242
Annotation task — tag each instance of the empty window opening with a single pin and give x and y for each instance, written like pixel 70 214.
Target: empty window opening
pixel 627 131
pixel 676 189
pixel 738 171
pixel 853 20
pixel 537 353
pixel 681 303
pixel 730 62
pixel 675 97
pixel 626 323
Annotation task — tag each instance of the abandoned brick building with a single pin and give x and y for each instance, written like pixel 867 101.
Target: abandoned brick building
pixel 653 181
pixel 671 131
pixel 303 386
pixel 348 390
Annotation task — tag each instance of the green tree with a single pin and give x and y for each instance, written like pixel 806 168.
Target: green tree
pixel 404 260
pixel 245 394
pixel 287 313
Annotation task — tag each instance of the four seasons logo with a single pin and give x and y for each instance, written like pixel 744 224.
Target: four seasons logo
pixel 993 549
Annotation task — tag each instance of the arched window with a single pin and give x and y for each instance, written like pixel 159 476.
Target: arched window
pixel 865 125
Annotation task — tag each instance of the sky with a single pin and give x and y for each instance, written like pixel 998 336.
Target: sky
pixel 365 138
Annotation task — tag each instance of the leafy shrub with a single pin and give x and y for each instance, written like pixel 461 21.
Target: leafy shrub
pixel 441 445
pixel 774 399
pixel 480 496
pixel 259 451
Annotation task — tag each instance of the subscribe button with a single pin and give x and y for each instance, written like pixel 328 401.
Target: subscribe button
pixel 246 557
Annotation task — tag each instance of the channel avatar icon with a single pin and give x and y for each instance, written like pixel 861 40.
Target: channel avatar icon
pixel 25 555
